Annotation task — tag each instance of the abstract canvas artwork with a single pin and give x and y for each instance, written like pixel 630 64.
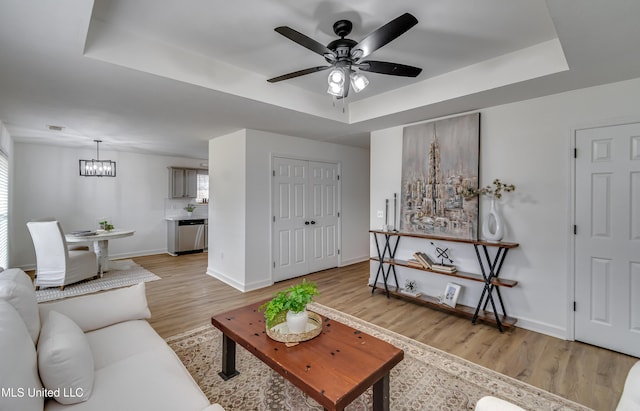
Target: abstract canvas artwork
pixel 440 162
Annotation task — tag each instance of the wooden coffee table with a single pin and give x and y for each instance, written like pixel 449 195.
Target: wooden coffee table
pixel 333 368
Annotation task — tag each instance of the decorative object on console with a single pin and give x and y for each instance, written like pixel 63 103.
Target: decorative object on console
pixel 411 288
pixel 97 167
pixel 386 214
pixel 395 211
pixel 427 263
pixel 440 162
pixel 493 224
pixel 451 294
pixel 290 305
pixel 442 253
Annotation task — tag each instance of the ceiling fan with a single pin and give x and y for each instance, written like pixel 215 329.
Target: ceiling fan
pixel 344 55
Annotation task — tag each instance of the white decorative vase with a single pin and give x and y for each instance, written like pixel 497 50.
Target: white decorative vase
pixel 493 224
pixel 189 213
pixel 297 322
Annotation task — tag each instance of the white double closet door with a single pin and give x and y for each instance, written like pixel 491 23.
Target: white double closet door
pixel 607 255
pixel 306 217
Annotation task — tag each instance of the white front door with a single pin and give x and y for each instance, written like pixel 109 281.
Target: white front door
pixel 306 215
pixel 607 257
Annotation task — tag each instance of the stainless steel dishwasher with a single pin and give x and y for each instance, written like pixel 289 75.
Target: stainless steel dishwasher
pixel 186 236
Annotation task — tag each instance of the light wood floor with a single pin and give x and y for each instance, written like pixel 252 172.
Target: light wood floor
pixel 186 298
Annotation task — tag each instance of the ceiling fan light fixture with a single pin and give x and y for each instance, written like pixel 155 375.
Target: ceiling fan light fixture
pixel 344 54
pixel 359 81
pixel 336 76
pixel 336 89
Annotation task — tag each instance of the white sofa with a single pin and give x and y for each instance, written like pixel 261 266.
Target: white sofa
pixel 629 400
pixel 94 352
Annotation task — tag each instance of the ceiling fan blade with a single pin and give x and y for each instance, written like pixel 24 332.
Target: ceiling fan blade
pixel 298 73
pixel 304 41
pixel 394 69
pixel 385 34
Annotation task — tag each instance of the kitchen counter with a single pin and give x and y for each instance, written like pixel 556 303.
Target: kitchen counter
pixel 193 217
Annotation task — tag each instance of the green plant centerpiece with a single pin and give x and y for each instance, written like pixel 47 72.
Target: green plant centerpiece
pixel 105 225
pixel 290 305
pixel 190 207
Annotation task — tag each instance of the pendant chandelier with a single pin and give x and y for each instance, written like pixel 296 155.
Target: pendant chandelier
pixel 97 167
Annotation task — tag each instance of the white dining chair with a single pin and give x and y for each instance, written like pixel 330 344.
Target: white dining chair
pixel 56 264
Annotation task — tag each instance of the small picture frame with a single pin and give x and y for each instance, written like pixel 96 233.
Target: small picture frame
pixel 451 293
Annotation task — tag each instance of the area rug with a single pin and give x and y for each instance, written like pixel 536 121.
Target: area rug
pixel 124 273
pixel 427 378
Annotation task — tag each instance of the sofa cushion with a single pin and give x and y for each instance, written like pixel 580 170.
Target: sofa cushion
pixel 121 341
pixel 18 363
pixel 151 379
pixel 65 360
pixel 99 310
pixel 16 288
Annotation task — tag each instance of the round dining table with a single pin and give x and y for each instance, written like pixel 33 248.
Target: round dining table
pixel 100 240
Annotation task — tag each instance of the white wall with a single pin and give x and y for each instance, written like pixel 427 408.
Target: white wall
pixel 227 205
pixel 260 148
pixel 528 144
pixel 47 184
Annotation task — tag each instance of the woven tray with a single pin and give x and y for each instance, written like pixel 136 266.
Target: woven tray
pixel 280 332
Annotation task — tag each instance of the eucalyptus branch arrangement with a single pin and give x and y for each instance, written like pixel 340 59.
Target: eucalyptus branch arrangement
pixel 494 190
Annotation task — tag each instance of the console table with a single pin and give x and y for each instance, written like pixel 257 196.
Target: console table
pixel 490 267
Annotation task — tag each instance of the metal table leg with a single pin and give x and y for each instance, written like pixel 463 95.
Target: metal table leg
pixel 381 394
pixel 228 358
pixel 493 268
pixel 387 249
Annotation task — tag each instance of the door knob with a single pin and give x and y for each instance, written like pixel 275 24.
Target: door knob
pixel 313 222
pixel 306 223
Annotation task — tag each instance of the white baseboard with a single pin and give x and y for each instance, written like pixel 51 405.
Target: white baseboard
pixel 354 260
pixel 542 328
pixel 237 285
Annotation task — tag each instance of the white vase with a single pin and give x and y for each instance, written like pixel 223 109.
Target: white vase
pixel 493 223
pixel 297 322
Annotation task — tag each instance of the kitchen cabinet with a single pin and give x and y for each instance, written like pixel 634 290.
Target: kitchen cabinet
pixel 183 182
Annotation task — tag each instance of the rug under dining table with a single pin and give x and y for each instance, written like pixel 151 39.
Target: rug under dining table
pixel 123 274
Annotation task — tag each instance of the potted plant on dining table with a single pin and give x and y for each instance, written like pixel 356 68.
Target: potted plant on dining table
pixel 106 225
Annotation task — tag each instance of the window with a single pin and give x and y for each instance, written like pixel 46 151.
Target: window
pixel 203 186
pixel 4 210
